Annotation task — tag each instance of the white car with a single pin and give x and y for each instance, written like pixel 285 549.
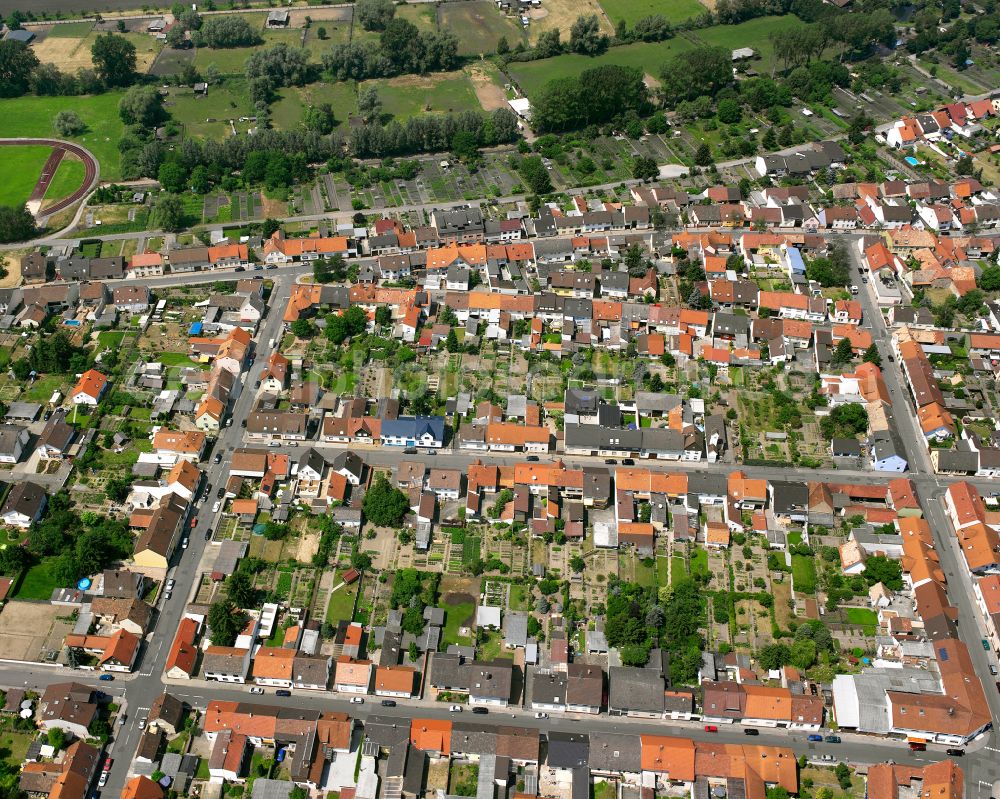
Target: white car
pixel 357 700
pixel 216 506
pixel 256 689
pixel 541 715
pixel 455 709
pixel 170 584
pixel 103 780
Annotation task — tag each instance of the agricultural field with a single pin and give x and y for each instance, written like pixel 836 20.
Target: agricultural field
pixel 32 116
pixel 411 95
pixel 532 76
pixel 68 178
pixel 478 25
pixel 68 46
pixel 632 10
pixel 20 167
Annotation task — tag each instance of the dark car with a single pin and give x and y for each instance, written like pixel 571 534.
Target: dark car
pixel 106 677
pixel 610 462
pixel 482 711
pixel 532 458
pixel 917 746
pixel 243 423
pixel 815 737
pixel 751 731
pixel 628 462
pixel 208 534
pixel 410 451
pixel 282 692
pixel 240 269
pixel 955 752
pixel 986 645
pixel 221 492
pixel 832 739
pixel 217 458
pixel 388 703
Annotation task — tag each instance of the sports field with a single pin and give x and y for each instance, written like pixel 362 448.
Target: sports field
pixel 32 116
pixel 646 56
pixel 631 10
pixel 68 178
pixel 20 167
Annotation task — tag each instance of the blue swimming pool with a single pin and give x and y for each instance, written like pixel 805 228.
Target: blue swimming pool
pixel 911 161
pixel 72 323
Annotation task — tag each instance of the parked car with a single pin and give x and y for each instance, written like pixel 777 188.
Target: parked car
pixel 221 492
pixel 103 779
pixel 282 692
pixel 184 543
pixel 610 462
pixel 711 728
pixel 815 737
pixel 828 758
pixel 170 584
pixel 256 689
pixel 107 764
pixel 532 458
pixel 357 700
pixel 482 711
pixel 410 451
pixel 993 670
pixel 240 269
pixel 216 506
pixel 986 645
pixel 955 752
pixel 106 677
pixel 918 746
pixel 832 739
pixel 541 715
pixel 751 731
pixel 208 534
pixel 217 458
pixel 274 443
pixel 628 462
pixel 243 422
pixel 167 595
pixel 388 703
pixel 455 709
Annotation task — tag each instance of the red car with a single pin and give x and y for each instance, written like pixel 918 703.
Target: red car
pixel 194 522
pixel 916 746
pixel 107 764
pixel 711 728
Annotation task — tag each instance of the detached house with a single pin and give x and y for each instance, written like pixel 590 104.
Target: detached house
pixel 90 388
pixel 24 505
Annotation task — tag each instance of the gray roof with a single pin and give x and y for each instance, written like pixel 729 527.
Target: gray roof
pixel 615 752
pixel 516 629
pixel 568 749
pixel 264 788
pixel 636 689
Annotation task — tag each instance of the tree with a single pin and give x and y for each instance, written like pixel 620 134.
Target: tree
pixel 845 421
pixel 361 561
pixel 374 15
pixel 177 37
pixel 172 177
pixel 302 328
pixel 414 652
pixel 13 558
pixel 703 155
pixel 168 213
pixel 114 59
pixel 116 489
pixel 843 352
pixel 56 738
pixel 200 180
pixel 729 111
pixel 228 30
pixel 585 36
pixel 280 65
pixel 843 774
pixel 226 622
pixel 503 46
pixel 384 504
pixel 872 355
pixel 16 223
pixel 319 118
pixel 644 168
pixel 596 96
pixel 369 103
pixel 702 71
pixel 773 656
pixel 142 105
pixel 577 564
pixel 17 63
pixel 803 654
pixel 451 341
pixel 535 174
pixel 880 569
pixel 68 123
pixel 240 590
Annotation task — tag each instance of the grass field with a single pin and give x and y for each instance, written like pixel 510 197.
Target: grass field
pixel 478 25
pixel 32 116
pixel 68 178
pixel 631 10
pixel 286 113
pixel 863 617
pixel 424 16
pixel 20 167
pixel 647 56
pixel 804 573
pixel 755 33
pixel 38 583
pixel 71 30
pixel 455 616
pixel 229 61
pixel 411 95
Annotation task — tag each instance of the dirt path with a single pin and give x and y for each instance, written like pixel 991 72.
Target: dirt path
pixel 490 95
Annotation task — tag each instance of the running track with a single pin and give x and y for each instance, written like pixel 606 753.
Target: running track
pixel 59 149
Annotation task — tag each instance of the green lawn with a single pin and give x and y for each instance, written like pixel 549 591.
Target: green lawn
pixel 424 16
pixel 42 388
pixel 412 95
pixel 16 746
pixel 678 569
pixel 228 60
pixel 111 338
pixel 863 617
pixel 755 33
pixel 32 116
pixel 174 359
pixel 645 572
pixel 228 100
pixel 71 30
pixel 38 583
pixel 20 167
pixel 69 177
pixel 699 562
pixel 804 573
pixel 341 605
pixel 455 616
pixel 647 56
pixel 631 10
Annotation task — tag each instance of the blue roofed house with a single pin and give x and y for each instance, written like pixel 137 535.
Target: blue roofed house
pixel 413 431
